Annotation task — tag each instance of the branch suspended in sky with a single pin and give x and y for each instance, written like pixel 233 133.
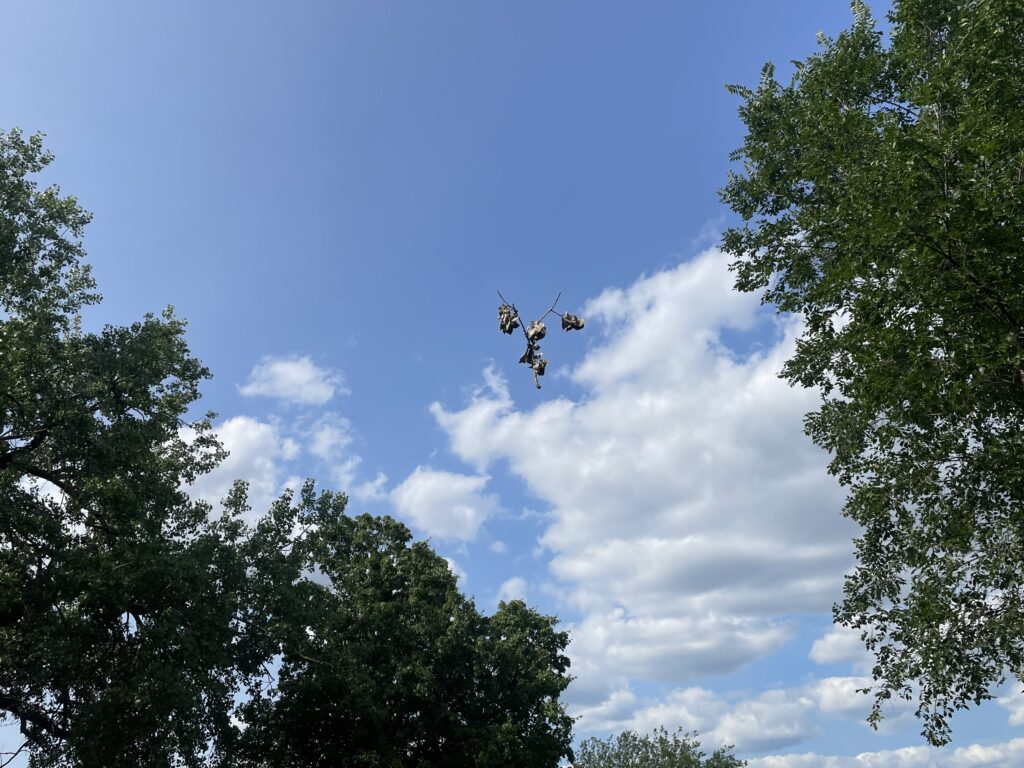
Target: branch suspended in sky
pixel 509 320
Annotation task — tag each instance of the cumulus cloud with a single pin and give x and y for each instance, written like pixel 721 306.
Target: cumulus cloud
pixel 512 589
pixel 689 514
pixel 614 647
pixel 692 709
pixel 1013 701
pixel 444 504
pixel 296 379
pixel 1007 754
pixel 842 645
pixel 461 577
pixel 772 719
pixel 256 452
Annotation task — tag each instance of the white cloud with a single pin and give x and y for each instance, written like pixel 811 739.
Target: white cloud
pixel 689 514
pixel 256 450
pixel 774 719
pixel 841 696
pixel 692 709
pixel 461 577
pixel 771 720
pixel 842 645
pixel 444 504
pixel 294 483
pixel 330 435
pixel 344 472
pixel 512 589
pixel 612 714
pixel 1009 754
pixel 328 438
pixel 289 449
pixel 613 648
pixel 1014 702
pixel 498 547
pixel 372 490
pixel 296 379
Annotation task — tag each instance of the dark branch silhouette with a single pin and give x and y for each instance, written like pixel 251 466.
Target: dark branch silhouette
pixel 509 320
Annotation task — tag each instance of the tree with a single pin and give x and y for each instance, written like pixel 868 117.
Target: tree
pixel 118 598
pixel 881 191
pixel 385 663
pixel 135 626
pixel 656 750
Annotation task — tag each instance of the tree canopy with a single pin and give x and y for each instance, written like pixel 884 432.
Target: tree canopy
pixel 140 628
pixel 881 193
pixel 387 664
pixel 658 749
pixel 117 595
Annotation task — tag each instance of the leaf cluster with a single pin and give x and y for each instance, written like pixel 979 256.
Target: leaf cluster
pixel 658 749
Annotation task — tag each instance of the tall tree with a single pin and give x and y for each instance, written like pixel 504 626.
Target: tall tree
pixel 659 749
pixel 132 623
pixel 121 603
pixel 881 190
pixel 385 663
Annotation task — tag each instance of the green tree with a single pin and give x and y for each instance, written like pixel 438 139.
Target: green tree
pixel 134 628
pixel 123 608
pixel 656 750
pixel 881 190
pixel 385 663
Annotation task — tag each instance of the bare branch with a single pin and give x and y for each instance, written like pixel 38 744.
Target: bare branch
pixel 552 309
pixel 13 755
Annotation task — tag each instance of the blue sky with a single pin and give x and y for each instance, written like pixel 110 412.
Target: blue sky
pixel 331 193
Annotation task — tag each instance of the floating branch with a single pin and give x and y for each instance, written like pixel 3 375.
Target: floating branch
pixel 509 320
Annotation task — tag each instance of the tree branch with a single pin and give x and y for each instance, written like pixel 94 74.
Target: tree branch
pixel 13 755
pixel 7 458
pixel 29 713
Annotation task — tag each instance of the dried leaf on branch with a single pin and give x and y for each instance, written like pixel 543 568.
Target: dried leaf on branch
pixel 571 322
pixel 508 321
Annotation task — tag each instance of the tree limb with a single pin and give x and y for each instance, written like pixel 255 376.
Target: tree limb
pixel 7 458
pixel 29 713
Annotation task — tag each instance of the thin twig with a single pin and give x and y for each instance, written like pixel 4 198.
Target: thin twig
pixel 13 755
pixel 552 310
pixel 522 323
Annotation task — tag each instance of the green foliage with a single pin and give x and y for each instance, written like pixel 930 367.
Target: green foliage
pixel 133 627
pixel 117 596
pixel 656 750
pixel 385 663
pixel 882 196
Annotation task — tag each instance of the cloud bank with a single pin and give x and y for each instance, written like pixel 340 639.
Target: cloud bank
pixel 691 519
